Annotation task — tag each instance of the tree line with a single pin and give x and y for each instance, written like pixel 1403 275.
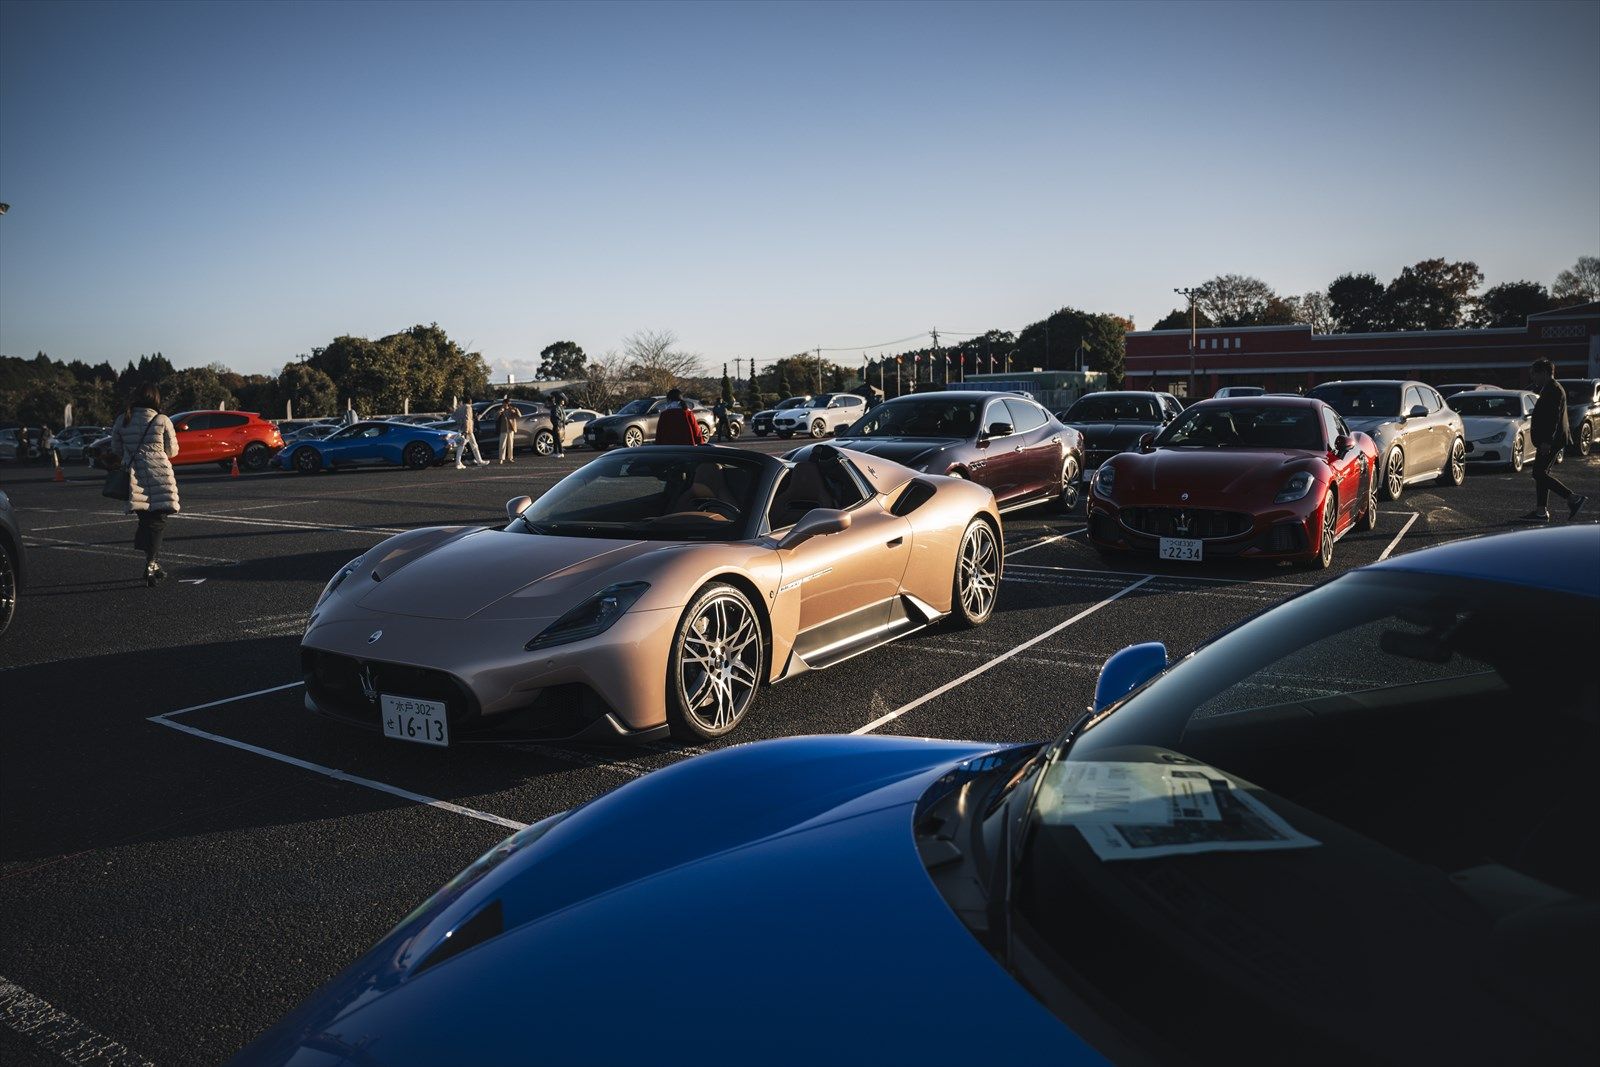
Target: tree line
pixel 1434 294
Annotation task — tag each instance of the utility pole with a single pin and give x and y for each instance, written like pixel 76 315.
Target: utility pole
pixel 935 333
pixel 1191 294
pixel 819 370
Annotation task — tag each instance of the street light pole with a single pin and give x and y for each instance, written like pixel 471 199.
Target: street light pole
pixel 1191 294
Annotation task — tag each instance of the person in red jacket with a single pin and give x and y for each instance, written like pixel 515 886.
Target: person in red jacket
pixel 676 425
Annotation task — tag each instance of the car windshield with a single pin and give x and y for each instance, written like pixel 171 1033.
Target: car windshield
pixel 1578 390
pixel 950 419
pixel 1109 407
pixel 1369 803
pixel 793 402
pixel 656 496
pixel 1245 426
pixel 1360 401
pixel 821 400
pixel 1498 405
pixel 636 407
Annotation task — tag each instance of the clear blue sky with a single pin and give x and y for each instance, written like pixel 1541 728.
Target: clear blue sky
pixel 243 182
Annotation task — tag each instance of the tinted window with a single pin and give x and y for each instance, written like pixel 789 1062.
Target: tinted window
pixel 1024 416
pixel 1413 399
pixel 1360 401
pixel 1227 426
pixel 654 496
pixel 224 422
pixel 1496 404
pixel 193 422
pixel 1330 426
pixel 915 417
pixel 1114 407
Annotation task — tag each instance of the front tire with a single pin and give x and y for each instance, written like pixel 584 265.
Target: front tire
pixel 417 455
pixel 307 461
pixel 1394 475
pixel 718 653
pixel 1330 517
pixel 1585 442
pixel 632 437
pixel 975 585
pixel 1068 497
pixel 818 428
pixel 1369 517
pixel 1455 469
pixel 544 442
pixel 255 457
pixel 1517 455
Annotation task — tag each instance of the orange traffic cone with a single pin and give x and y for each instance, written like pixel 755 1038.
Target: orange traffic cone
pixel 61 475
pixel 235 472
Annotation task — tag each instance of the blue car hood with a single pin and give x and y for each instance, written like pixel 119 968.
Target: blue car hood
pixel 765 904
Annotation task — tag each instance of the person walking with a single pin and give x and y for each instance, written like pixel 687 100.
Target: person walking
pixel 1550 436
pixel 719 411
pixel 466 420
pixel 507 421
pixel 146 442
pixel 558 421
pixel 677 425
pixel 22 444
pixel 47 445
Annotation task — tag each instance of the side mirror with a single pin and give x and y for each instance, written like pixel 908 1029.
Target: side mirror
pixel 1417 412
pixel 1341 444
pixel 1127 671
pixel 998 429
pixel 1147 442
pixel 517 505
pixel 816 523
pixel 181 427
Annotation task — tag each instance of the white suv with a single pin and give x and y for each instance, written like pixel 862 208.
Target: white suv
pixel 827 413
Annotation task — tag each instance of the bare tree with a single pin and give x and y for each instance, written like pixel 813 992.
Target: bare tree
pixel 1315 310
pixel 1235 300
pixel 652 356
pixel 606 378
pixel 1579 285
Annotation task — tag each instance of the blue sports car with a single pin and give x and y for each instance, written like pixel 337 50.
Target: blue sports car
pixel 1356 828
pixel 395 444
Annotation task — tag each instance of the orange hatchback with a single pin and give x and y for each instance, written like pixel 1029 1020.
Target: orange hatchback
pixel 221 437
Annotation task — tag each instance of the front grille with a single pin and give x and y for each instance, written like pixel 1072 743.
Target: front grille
pixel 1103 528
pixel 1187 522
pixel 335 683
pixel 1286 537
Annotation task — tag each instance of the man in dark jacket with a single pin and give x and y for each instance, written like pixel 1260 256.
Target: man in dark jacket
pixel 1549 433
pixel 558 421
pixel 719 411
pixel 677 424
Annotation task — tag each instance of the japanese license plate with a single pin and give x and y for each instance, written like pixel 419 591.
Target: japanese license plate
pixel 1182 548
pixel 422 721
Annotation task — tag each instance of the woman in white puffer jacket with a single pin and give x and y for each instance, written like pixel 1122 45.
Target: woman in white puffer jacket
pixel 146 443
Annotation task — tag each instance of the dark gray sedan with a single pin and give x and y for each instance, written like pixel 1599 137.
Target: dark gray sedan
pixel 1419 437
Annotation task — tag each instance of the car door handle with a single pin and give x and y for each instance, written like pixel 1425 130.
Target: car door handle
pixel 896 543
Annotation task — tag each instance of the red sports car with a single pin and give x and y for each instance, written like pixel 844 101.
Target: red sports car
pixel 1268 477
pixel 218 437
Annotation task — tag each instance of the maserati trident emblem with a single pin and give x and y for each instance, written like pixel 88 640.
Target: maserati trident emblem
pixel 369 688
pixel 1180 523
pixel 375 635
pixel 1183 496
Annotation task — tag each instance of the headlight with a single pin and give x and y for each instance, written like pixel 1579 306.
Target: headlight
pixel 1295 488
pixel 1104 480
pixel 593 616
pixel 338 579
pixel 1501 436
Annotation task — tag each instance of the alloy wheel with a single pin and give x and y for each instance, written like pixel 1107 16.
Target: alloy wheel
pixel 544 442
pixel 416 455
pixel 978 572
pixel 1516 454
pixel 1330 519
pixel 819 428
pixel 719 662
pixel 1457 471
pixel 1395 480
pixel 1069 482
pixel 306 460
pixel 8 588
pixel 1585 439
pixel 633 438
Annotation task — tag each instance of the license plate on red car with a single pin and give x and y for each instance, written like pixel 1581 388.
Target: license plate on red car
pixel 1189 550
pixel 422 721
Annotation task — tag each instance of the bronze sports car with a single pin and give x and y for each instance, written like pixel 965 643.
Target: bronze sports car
pixel 652 591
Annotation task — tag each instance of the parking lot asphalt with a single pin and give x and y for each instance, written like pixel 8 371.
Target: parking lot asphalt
pixel 186 853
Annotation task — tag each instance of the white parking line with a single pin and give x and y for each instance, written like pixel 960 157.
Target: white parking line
pixel 166 719
pixel 1038 544
pixel 996 661
pixel 1174 577
pixel 1415 515
pixel 55 1031
pixel 113 550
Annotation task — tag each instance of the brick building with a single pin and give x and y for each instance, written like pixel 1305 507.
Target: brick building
pixel 1283 358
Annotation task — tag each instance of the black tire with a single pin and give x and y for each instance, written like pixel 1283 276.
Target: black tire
pixel 307 460
pixel 1067 496
pixel 632 437
pixel 417 456
pixel 1455 468
pixel 1584 444
pixel 975 583
pixel 544 442
pixel 256 456
pixel 1330 518
pixel 735 430
pixel 705 429
pixel 707 671
pixel 1369 515
pixel 9 587
pixel 1518 455
pixel 760 432
pixel 1394 474
pixel 819 428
